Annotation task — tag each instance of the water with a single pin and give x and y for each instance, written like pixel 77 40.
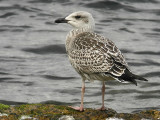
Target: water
pixel 34 66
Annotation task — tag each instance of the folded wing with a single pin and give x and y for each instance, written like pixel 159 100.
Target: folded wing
pixel 92 53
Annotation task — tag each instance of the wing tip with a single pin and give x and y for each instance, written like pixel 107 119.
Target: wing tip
pixel 130 77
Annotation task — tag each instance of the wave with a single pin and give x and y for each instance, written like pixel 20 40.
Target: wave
pixel 57 77
pixel 56 49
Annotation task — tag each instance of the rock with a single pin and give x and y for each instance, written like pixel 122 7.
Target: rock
pixel 58 112
pixel 66 117
pixel 3 114
pixel 24 117
pixel 113 118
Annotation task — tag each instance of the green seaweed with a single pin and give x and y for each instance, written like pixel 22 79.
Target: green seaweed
pixel 3 106
pixel 53 112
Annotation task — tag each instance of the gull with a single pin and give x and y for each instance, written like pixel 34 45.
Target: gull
pixel 93 56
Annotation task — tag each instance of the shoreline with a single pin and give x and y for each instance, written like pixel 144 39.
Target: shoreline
pixel 62 112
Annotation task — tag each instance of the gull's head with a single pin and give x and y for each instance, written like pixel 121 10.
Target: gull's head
pixel 80 19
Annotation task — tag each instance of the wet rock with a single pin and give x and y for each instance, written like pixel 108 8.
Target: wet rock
pixel 24 117
pixel 66 117
pixel 114 118
pixel 3 114
pixel 58 112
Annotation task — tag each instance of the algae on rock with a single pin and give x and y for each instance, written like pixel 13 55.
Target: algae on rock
pixel 55 112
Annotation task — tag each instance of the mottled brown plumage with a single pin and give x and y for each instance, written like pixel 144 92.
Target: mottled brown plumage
pixel 93 56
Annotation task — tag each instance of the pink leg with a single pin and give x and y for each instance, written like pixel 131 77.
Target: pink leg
pixel 103 92
pixel 81 108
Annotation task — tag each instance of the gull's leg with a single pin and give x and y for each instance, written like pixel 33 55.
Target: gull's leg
pixel 103 92
pixel 81 108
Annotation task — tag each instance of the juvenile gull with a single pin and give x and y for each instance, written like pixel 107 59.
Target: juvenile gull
pixel 93 56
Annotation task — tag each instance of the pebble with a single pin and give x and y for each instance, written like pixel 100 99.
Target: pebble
pixel 66 117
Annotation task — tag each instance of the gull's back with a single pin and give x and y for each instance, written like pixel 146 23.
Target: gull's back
pixel 94 57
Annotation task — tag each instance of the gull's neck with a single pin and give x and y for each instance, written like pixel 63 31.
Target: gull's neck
pixel 76 31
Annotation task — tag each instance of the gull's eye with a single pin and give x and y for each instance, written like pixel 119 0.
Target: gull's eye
pixel 78 16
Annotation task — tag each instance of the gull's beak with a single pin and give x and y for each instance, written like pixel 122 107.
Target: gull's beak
pixel 61 20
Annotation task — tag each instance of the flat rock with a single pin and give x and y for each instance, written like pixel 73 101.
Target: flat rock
pixel 58 112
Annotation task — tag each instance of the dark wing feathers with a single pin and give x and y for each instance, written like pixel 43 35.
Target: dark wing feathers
pixel 130 77
pixel 93 53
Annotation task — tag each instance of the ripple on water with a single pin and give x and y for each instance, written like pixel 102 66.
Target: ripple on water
pixel 137 64
pixel 152 74
pixel 57 102
pixel 52 77
pixel 126 30
pixel 69 91
pixel 148 96
pixel 156 29
pixel 145 62
pixel 14 28
pixel 55 49
pixel 20 7
pixel 49 1
pixel 11 102
pixel 20 82
pixel 5 79
pixel 4 73
pixel 151 62
pixel 112 5
pixel 147 52
pixel 135 20
pixel 151 84
pixel 8 14
pixel 105 4
pixel 141 1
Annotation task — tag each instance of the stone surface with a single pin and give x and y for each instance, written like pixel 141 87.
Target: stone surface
pixel 66 117
pixel 57 112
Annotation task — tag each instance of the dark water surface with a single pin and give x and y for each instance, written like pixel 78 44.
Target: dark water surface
pixel 34 66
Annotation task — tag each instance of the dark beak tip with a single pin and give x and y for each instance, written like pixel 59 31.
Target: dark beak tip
pixel 60 20
pixel 57 21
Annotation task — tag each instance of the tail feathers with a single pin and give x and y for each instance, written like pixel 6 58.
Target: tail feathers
pixel 139 77
pixel 130 77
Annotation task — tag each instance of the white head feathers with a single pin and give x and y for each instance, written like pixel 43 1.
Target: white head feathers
pixel 78 20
